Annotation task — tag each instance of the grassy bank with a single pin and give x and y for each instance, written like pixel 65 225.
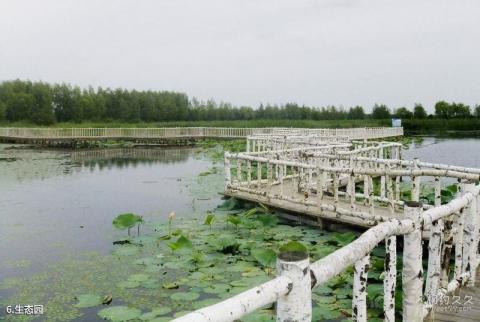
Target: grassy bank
pixel 243 123
pixel 415 126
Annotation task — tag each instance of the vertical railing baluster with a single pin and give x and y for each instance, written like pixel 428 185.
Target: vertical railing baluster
pixel 269 178
pixel 239 171
pixel 228 177
pixel 297 304
pixel 390 279
pixel 359 302
pixel 435 244
pixel 470 233
pixel 412 272
pixel 259 174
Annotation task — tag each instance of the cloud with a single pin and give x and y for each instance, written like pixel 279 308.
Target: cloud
pixel 247 52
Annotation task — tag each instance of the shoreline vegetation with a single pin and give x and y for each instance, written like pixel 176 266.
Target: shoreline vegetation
pixel 34 104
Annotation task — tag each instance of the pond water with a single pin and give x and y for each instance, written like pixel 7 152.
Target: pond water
pixel 57 204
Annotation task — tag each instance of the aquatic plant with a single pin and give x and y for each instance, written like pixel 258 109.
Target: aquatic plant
pixel 127 221
pixel 171 216
pixel 181 242
pixel 214 264
pixel 235 220
pixel 209 220
pixel 119 313
pixel 266 257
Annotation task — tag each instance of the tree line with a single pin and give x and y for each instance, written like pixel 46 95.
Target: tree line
pixel 45 104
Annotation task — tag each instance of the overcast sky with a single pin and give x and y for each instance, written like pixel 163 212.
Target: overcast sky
pixel 338 52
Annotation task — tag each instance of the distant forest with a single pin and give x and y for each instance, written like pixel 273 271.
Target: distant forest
pixel 45 104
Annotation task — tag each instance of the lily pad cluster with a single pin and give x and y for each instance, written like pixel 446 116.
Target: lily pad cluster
pixel 161 275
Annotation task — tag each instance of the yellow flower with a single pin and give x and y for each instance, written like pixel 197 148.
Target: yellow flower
pixel 171 215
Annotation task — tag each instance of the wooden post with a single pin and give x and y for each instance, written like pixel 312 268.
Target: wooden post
pixel 297 304
pixel 458 242
pixel 390 279
pixel 239 171
pixel 370 195
pixel 249 173
pixel 415 183
pixel 335 188
pixel 390 196
pixel 412 273
pixel 228 175
pixel 366 188
pixel 397 188
pixel 470 237
pixel 351 182
pixel 320 185
pixel 259 174
pixel 359 302
pixel 435 245
pixel 269 177
pixel 280 178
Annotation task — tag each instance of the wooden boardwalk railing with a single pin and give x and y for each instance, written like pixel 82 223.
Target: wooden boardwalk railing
pixel 188 132
pixel 291 308
pixel 313 177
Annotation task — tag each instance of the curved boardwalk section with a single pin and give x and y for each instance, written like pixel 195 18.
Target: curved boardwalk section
pixel 320 178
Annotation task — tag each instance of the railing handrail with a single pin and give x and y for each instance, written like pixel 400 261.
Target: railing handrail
pixel 331 265
pixel 352 133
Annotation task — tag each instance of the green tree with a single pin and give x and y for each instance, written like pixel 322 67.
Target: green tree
pixel 42 109
pixel 477 111
pixel 19 106
pixel 380 112
pixel 460 110
pixel 443 110
pixel 63 102
pixel 3 111
pixel 403 113
pixel 419 112
pixel 356 113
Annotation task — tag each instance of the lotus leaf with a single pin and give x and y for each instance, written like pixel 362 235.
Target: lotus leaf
pixel 293 246
pixel 185 296
pixel 119 313
pixel 89 300
pixel 203 303
pixel 268 220
pixel 128 220
pixel 154 313
pixel 266 257
pixel 182 242
pixel 138 277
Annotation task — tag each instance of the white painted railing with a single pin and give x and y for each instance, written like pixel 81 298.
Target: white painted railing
pixel 292 292
pixel 316 173
pixel 177 132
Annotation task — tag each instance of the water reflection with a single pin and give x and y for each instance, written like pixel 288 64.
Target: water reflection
pixel 57 202
pixel 130 156
pixel 462 152
pixel 23 163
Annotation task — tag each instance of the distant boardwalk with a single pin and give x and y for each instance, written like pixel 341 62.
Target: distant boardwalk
pixel 49 136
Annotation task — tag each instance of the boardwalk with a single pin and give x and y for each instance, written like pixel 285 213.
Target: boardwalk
pixel 305 206
pixel 47 136
pixel 315 179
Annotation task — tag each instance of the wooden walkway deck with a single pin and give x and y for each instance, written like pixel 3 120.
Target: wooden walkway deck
pixel 312 214
pixel 467 312
pixel 47 135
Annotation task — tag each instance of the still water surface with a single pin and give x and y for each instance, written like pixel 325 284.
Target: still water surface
pixel 54 202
